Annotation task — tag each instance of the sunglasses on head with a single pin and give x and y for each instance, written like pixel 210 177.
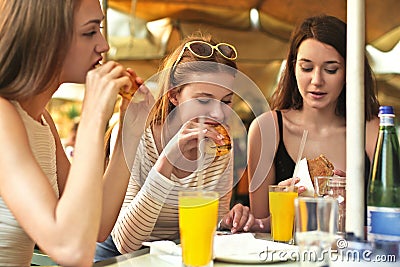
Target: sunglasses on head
pixel 205 50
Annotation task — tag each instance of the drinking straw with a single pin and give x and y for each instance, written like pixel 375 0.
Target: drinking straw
pixel 299 155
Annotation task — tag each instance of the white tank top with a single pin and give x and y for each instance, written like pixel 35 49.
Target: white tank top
pixel 16 247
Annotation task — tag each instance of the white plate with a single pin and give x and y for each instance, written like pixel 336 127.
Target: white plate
pixel 244 248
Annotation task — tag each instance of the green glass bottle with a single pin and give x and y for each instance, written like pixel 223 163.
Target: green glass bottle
pixel 383 195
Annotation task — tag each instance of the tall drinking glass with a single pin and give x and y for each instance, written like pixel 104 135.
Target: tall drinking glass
pixel 198 216
pixel 281 206
pixel 316 222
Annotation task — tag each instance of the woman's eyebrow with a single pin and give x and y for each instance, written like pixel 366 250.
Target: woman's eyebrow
pixel 326 62
pixel 211 95
pixel 304 59
pixel 333 62
pixel 204 94
pixel 96 21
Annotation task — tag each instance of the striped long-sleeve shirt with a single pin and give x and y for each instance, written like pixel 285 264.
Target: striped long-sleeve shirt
pixel 150 211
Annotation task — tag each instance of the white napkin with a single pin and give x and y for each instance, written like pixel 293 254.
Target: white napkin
pixel 164 247
pixel 166 250
pixel 305 179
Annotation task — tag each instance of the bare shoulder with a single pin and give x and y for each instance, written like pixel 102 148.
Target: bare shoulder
pixel 13 136
pixel 267 120
pixel 9 117
pixel 264 132
pixel 6 105
pixel 372 128
pixel 371 134
pixel 373 123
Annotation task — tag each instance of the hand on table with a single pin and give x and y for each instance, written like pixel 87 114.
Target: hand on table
pixel 240 218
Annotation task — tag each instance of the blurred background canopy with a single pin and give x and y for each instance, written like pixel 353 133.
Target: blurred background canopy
pixel 141 32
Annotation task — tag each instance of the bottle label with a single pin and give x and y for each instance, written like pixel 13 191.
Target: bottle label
pixel 383 223
pixel 386 120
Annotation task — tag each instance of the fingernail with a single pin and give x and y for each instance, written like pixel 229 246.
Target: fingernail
pixel 220 136
pixel 246 228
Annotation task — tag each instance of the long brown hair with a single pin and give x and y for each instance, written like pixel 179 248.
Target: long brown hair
pixel 34 38
pixel 332 31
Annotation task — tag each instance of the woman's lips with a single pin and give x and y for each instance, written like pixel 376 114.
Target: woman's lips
pixel 318 95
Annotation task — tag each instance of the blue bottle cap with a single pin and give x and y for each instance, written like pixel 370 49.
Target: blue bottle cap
pixel 386 110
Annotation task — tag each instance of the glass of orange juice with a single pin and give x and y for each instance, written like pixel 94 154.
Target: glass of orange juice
pixel 198 216
pixel 281 207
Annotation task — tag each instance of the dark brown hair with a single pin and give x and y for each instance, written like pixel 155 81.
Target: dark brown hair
pixel 332 31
